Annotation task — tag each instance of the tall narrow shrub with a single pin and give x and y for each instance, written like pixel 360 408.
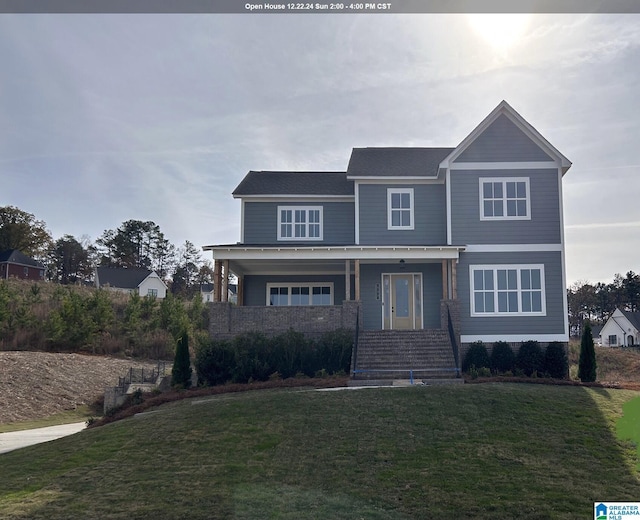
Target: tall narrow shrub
pixel 587 362
pixel 181 373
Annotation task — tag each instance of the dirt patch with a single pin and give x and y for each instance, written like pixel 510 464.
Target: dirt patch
pixel 34 385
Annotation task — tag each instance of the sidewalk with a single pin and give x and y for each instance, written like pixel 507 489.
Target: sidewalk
pixel 14 440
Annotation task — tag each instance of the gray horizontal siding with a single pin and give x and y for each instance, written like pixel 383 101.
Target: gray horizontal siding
pixel 467 228
pixel 371 274
pixel 430 215
pixel 524 326
pixel 502 141
pixel 255 286
pixel 261 223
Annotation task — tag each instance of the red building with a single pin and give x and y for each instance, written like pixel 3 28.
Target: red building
pixel 15 264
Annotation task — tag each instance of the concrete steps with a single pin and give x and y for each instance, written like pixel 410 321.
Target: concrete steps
pixel 404 355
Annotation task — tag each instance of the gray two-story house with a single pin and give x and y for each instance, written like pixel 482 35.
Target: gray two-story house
pixel 454 245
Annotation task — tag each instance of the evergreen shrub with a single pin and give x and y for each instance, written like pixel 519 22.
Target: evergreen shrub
pixel 502 358
pixel 530 358
pixel 556 363
pixel 477 356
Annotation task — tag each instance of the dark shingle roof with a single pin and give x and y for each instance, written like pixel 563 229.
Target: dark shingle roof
pixel 396 162
pixel 123 278
pixel 294 183
pixel 633 317
pixel 17 257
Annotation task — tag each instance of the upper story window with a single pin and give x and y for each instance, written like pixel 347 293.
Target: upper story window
pixel 507 290
pixel 505 199
pixel 400 208
pixel 299 222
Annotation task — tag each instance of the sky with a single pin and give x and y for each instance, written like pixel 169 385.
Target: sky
pixel 111 117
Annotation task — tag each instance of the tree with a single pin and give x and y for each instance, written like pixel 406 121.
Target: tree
pixel 69 261
pixel 181 373
pixel 136 244
pixel 20 230
pixel 587 362
pixel 187 271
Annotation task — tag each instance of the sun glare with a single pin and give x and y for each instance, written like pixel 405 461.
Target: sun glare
pixel 501 31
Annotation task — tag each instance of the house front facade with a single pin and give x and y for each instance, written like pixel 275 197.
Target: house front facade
pixel 413 236
pixel 622 329
pixel 15 264
pixel 143 282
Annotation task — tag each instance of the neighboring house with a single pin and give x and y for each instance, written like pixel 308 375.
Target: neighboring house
pixel 621 329
pixel 596 334
pixel 130 280
pixel 207 292
pixel 413 238
pixel 15 264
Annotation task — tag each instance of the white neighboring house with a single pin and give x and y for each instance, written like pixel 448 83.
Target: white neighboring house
pixel 130 280
pixel 622 329
pixel 206 290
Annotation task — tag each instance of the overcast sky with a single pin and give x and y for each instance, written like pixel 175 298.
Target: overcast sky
pixel 105 118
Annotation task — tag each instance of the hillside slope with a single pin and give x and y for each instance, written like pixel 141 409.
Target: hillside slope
pixel 35 385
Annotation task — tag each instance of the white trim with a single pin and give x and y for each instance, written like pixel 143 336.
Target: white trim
pixel 336 252
pixel 356 189
pixel 495 268
pixel 289 285
pixel 513 338
pixel 531 165
pixel 242 221
pixel 390 210
pixel 398 180
pixel 504 199
pixel 448 202
pixel 306 223
pixel 293 197
pixel 565 298
pixel 513 248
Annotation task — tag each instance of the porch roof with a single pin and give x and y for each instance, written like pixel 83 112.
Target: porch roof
pixel 246 259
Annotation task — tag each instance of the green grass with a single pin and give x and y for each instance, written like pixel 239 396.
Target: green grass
pixel 472 451
pixel 80 414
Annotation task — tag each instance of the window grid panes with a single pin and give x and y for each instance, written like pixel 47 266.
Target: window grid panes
pixel 505 198
pixel 400 210
pixel 507 290
pixel 300 223
pixel 300 294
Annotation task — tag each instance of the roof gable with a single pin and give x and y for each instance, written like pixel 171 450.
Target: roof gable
pixel 261 183
pixel 633 318
pixel 396 162
pixel 122 278
pixel 504 119
pixel 14 256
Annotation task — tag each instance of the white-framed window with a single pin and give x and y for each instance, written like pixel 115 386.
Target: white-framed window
pixel 507 290
pixel 505 199
pixel 613 340
pixel 283 294
pixel 399 208
pixel 152 293
pixel 299 222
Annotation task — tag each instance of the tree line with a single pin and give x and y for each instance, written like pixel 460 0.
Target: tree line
pixel 135 243
pixel 597 302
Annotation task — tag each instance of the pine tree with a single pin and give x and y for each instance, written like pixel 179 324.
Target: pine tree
pixel 587 363
pixel 181 373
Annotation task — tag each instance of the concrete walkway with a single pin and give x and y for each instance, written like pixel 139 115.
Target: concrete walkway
pixel 14 440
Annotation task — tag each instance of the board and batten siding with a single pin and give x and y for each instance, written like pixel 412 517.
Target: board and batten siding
pixel 502 141
pixel 430 215
pixel 261 223
pixel 371 279
pixel 544 209
pixel 525 327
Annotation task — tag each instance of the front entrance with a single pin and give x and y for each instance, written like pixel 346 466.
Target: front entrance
pixel 402 301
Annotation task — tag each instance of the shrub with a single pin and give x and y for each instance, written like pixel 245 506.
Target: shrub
pixel 556 363
pixel 333 351
pixel 215 360
pixel 252 352
pixel 502 357
pixel 530 358
pixel 477 356
pixel 181 373
pixel 587 362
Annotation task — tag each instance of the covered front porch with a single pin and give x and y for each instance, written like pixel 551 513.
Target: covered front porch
pixel 395 287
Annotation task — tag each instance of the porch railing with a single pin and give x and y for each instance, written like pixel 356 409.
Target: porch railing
pixel 454 342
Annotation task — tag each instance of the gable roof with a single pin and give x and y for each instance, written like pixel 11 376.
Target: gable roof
pixel 13 256
pixel 396 162
pixel 120 277
pixel 505 109
pixel 294 183
pixel 633 317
